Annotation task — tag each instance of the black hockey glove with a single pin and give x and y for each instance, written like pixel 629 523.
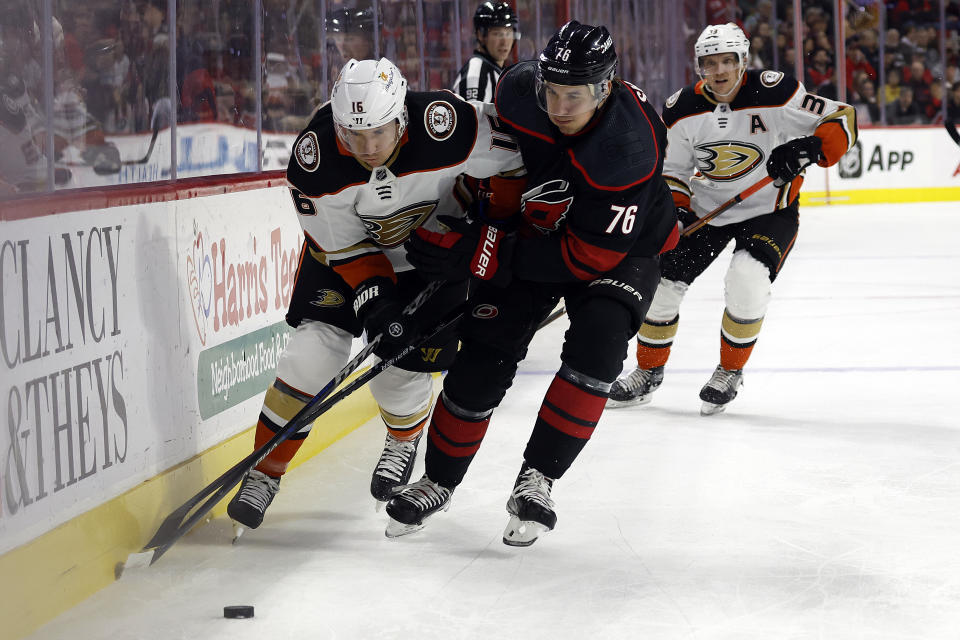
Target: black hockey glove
pixel 788 160
pixel 380 313
pixel 468 249
pixel 686 217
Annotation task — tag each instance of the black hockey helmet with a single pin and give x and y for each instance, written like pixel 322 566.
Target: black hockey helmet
pixel 578 54
pixel 350 20
pixel 495 14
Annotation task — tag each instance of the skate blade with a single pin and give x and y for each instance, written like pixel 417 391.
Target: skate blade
pixel 522 533
pixel 395 529
pixel 636 402
pixel 238 530
pixel 710 409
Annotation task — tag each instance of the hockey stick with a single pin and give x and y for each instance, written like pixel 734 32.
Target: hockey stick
pixel 550 318
pixel 951 127
pixel 743 195
pixel 153 141
pixel 740 197
pixel 175 525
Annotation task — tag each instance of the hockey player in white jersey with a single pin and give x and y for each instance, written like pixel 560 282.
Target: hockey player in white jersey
pixel 374 164
pixel 723 132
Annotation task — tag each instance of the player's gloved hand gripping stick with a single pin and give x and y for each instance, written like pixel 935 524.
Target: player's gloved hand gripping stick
pixel 193 510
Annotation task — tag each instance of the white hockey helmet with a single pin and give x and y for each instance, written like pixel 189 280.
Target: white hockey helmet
pixel 369 94
pixel 722 38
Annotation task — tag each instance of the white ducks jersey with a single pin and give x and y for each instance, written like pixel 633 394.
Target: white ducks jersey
pixel 716 150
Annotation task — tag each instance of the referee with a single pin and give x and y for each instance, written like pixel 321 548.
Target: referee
pixel 497 30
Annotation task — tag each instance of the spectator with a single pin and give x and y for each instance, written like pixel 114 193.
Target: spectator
pixel 933 109
pixel 918 78
pixel 892 89
pixel 868 112
pixel 820 71
pixel 857 61
pixel 953 106
pixel 904 110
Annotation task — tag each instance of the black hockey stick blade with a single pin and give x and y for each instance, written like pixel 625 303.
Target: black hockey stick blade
pixel 951 127
pixel 553 316
pixel 181 520
pixel 153 141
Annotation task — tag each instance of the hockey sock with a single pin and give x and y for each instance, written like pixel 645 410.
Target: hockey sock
pixel 654 341
pixel 280 404
pixel 405 427
pixel 567 418
pixel 737 338
pixel 453 442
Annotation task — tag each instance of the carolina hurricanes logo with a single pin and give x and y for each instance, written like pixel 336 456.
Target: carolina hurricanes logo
pixel 724 161
pixel 394 228
pixel 546 206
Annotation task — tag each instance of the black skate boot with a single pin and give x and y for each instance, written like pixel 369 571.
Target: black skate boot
pixel 636 388
pixel 251 502
pixel 530 508
pixel 720 389
pixel 394 468
pixel 413 504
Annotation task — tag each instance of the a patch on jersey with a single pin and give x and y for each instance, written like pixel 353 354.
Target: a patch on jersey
pixel 546 205
pixel 727 160
pixel 771 78
pixel 672 100
pixel 394 228
pixel 440 120
pixel 307 151
pixel 328 298
pixel 485 312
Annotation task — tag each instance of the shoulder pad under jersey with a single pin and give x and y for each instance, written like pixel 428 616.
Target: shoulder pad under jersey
pixel 516 101
pixel 442 132
pixel 684 103
pixel 626 145
pixel 317 165
pixel 765 89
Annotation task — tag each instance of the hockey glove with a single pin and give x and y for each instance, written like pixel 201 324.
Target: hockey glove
pixel 477 250
pixel 686 217
pixel 789 160
pixel 380 313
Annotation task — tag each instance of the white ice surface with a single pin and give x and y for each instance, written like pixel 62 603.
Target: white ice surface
pixel 825 503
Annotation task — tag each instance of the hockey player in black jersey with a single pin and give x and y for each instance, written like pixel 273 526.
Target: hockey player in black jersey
pixel 497 31
pixel 373 165
pixel 594 219
pixel 726 133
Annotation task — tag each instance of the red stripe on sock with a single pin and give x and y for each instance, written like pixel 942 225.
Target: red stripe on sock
pixel 455 436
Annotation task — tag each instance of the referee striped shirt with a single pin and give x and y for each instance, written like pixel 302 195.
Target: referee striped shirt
pixel 478 78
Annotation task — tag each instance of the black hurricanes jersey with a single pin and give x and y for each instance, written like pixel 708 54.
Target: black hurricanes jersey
pixel 594 197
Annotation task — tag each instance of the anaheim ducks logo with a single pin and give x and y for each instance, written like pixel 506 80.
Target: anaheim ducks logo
pixel 394 228
pixel 727 160
pixel 307 151
pixel 328 298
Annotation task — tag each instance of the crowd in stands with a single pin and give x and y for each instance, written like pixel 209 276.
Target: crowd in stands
pixel 111 58
pixel 917 79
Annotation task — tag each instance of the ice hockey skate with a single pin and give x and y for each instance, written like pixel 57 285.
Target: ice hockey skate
pixel 251 501
pixel 635 388
pixel 413 504
pixel 530 508
pixel 394 468
pixel 720 390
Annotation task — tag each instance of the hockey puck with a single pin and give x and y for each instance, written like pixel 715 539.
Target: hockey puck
pixel 238 611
